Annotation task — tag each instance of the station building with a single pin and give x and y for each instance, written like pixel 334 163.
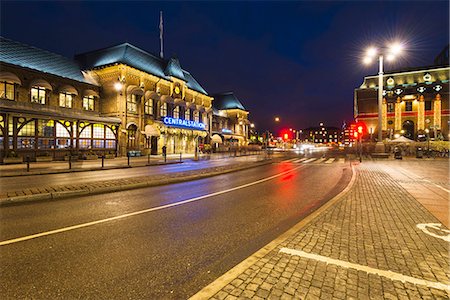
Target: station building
pixel 109 101
pixel 158 102
pixel 415 103
pixel 49 107
pixel 230 124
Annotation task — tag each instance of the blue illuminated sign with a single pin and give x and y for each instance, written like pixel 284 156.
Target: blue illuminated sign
pixel 183 123
pixel 224 130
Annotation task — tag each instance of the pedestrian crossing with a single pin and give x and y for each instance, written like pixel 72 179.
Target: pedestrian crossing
pixel 316 160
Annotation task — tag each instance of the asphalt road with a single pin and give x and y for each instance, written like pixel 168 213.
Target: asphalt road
pixel 31 181
pixel 159 252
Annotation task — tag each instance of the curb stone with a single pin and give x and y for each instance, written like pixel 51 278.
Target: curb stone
pixel 87 191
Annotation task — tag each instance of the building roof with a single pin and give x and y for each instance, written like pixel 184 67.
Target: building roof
pixel 227 100
pixel 137 58
pixel 16 53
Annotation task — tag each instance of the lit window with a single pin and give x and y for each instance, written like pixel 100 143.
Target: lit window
pixel 176 112
pixel 28 129
pixel 99 131
pixel 7 90
pixel 148 107
pixel 38 95
pixel 132 103
pixel 196 116
pixel 408 106
pixel 390 107
pixel 88 103
pixel 187 114
pixel 65 100
pixel 163 109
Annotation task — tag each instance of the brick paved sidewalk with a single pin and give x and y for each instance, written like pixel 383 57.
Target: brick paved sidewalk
pixel 365 246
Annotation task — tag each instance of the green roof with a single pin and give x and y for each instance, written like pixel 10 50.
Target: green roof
pixel 18 54
pixel 137 58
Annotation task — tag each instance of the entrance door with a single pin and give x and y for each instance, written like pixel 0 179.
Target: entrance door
pixel 131 133
pixel 154 145
pixel 408 127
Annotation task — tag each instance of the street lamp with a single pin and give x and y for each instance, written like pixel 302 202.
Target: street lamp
pixel 391 53
pixel 277 119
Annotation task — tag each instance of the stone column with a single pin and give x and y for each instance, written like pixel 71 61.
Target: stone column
pixel 437 112
pixel 398 114
pixel 421 114
pixel 384 115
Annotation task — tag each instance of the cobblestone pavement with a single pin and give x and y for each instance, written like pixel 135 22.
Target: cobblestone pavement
pixel 365 246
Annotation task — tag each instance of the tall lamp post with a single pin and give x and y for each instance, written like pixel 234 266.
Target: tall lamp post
pixel 391 52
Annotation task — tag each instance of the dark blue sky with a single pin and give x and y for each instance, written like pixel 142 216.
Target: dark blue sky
pixel 298 60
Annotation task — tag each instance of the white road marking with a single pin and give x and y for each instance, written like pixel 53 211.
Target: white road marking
pixel 436 226
pixel 319 160
pixel 330 160
pixel 78 226
pixel 341 160
pixel 309 160
pixel 388 274
pixel 437 185
pixel 299 160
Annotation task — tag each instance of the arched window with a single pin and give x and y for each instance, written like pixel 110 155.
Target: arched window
pixel 131 133
pixel 26 135
pixel 46 134
pixel 187 114
pixel 65 100
pixel 63 136
pixel 85 136
pixel 110 136
pixel 196 116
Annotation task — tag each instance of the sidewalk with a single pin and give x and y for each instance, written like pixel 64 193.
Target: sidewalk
pixel 54 167
pixel 120 184
pixel 370 242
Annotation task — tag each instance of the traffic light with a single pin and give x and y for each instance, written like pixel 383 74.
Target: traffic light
pixel 361 129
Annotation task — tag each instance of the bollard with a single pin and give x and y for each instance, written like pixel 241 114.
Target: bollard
pixel 180 156
pixel 103 161
pixel 28 163
pixel 128 159
pixel 70 161
pixel 165 158
pixel 148 159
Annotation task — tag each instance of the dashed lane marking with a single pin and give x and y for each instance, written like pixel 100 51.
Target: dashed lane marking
pixel 78 226
pixel 309 160
pixel 329 161
pixel 348 265
pixel 320 160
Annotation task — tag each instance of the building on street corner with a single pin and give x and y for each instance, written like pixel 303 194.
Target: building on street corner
pixel 157 101
pixel 415 103
pixel 230 124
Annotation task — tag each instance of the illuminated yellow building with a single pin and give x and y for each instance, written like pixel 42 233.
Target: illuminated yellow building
pixel 159 103
pixel 415 101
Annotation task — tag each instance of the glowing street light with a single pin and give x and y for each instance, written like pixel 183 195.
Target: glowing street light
pixel 391 53
pixel 277 119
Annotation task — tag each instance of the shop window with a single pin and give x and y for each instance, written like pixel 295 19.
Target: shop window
pixel 110 144
pixel 88 103
pixel 187 114
pixel 428 105
pixel 109 133
pixel 148 107
pixel 28 129
pixel 84 143
pixel 38 95
pixel 132 103
pixel 176 112
pixel 62 136
pixel 65 100
pixel 99 131
pixel 408 106
pixel 98 144
pixel 46 128
pixel 7 90
pixel 390 107
pixel 163 109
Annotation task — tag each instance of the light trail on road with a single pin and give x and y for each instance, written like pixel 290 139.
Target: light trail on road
pixel 83 225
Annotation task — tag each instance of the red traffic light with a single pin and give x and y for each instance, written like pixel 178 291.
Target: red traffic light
pixel 361 128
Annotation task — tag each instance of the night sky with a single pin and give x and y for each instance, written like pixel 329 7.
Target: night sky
pixel 297 60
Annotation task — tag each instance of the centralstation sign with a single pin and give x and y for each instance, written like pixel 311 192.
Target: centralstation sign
pixel 183 123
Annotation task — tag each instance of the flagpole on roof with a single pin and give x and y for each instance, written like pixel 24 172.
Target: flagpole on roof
pixel 161 53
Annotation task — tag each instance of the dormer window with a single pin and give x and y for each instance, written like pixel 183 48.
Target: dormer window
pixel 7 90
pixel 88 103
pixel 65 100
pixel 38 94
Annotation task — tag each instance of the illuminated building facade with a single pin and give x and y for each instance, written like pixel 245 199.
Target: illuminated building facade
pixel 230 124
pixel 158 102
pixel 415 102
pixel 322 134
pixel 49 108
